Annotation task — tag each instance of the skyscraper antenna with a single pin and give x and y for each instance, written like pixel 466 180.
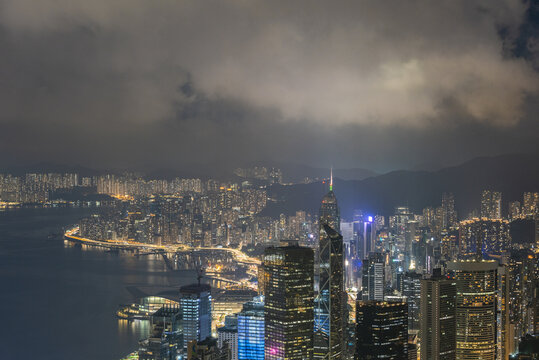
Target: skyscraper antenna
pixel 331 179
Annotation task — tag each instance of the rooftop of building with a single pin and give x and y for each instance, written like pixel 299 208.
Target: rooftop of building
pixel 472 265
pixel 195 288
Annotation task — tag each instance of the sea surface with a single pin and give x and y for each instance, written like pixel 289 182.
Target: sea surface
pixel 58 301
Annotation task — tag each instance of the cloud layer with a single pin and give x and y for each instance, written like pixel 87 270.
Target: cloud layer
pixel 100 68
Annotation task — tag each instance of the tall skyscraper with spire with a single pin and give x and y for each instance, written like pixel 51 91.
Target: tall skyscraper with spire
pixel 331 299
pixel 329 209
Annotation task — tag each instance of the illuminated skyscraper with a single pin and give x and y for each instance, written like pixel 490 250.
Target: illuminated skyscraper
pixel 251 330
pixel 412 291
pixel 381 330
pixel 491 204
pixel 195 307
pixel 502 313
pixel 331 300
pixel 289 303
pixel 368 239
pixel 476 309
pixel 329 209
pixel 373 282
pixel 438 321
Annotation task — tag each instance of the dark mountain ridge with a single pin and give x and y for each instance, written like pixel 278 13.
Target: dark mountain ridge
pixel 511 174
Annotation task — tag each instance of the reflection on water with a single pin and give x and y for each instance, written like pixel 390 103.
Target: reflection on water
pixel 128 328
pixel 68 295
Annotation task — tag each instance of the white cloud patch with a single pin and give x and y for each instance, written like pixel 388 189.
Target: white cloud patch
pixel 358 62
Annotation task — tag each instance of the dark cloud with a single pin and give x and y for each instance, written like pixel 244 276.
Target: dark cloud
pixel 381 85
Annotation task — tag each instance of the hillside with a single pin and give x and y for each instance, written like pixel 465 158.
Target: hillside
pixel 510 174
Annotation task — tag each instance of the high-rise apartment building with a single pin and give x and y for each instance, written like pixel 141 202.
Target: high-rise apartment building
pixel 483 236
pixel 514 210
pixel 438 318
pixel 491 204
pixel 289 303
pixel 449 214
pixel 381 330
pixel 531 203
pixel 195 307
pixel 476 310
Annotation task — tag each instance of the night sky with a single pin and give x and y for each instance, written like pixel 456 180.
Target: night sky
pixel 381 85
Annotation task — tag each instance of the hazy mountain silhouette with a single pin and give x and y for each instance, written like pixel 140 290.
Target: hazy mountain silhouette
pixel 510 174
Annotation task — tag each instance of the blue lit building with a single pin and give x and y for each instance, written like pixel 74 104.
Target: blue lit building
pixel 251 330
pixel 195 306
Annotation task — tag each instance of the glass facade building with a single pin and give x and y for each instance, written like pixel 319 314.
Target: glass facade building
pixel 195 307
pixel 373 279
pixel 251 330
pixel 438 321
pixel 475 308
pixel 412 291
pixel 381 330
pixel 289 303
pixel 330 302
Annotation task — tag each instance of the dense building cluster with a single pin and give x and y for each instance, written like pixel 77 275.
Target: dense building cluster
pixel 422 286
pixel 226 217
pixel 34 188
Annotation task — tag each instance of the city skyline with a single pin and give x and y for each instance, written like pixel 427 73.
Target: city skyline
pixel 269 180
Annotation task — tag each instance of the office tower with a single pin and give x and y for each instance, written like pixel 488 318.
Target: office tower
pixel 195 306
pixel 330 300
pixel 289 303
pixel 438 320
pixel 475 308
pixel 373 283
pixel 368 239
pixel 410 244
pixel 449 214
pixel 227 336
pixel 262 279
pixel 412 292
pixel 251 330
pixel 381 330
pixel 329 209
pixel 350 253
pixel 330 303
pixel 491 204
pixel 165 339
pixel 483 236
